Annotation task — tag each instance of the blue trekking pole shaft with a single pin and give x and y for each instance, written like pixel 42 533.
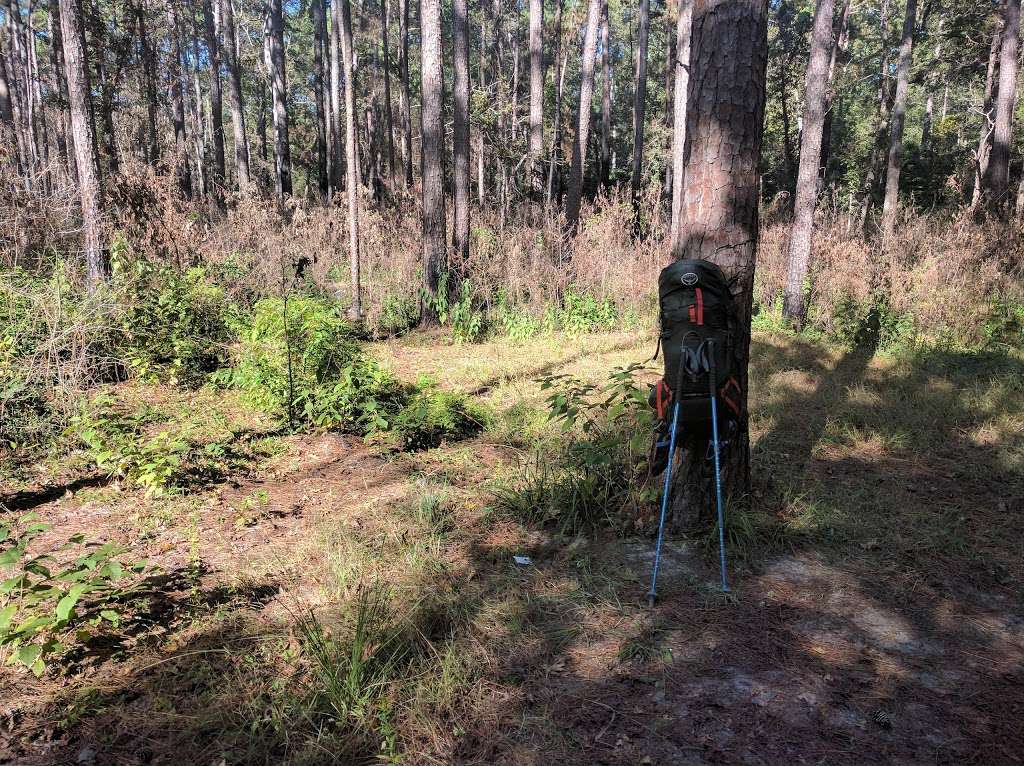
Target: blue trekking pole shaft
pixel 653 593
pixel 718 471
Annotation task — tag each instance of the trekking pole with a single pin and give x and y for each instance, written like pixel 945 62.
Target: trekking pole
pixel 718 470
pixel 666 492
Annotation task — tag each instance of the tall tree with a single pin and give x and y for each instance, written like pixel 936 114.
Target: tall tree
pixel 670 66
pixel 728 59
pixel 881 117
pixel 216 102
pixel 640 104
pixel 556 133
pixel 389 119
pixel 83 134
pixel 535 173
pixel 351 156
pixel 574 197
pixel 177 101
pixel 279 94
pixel 460 137
pixel 815 89
pixel 899 115
pixel 981 155
pixel 404 97
pixel 605 166
pixel 335 154
pixel 227 15
pixel 997 174
pixel 431 152
pixel 679 122
pixel 6 110
pixel 149 79
pixel 319 13
pixel 836 64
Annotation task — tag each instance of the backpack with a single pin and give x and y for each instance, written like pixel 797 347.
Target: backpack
pixel 698 317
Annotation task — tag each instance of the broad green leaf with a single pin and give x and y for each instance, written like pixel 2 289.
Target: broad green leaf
pixel 67 604
pixel 6 614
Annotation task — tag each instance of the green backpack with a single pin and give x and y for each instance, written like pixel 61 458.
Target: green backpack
pixel 698 320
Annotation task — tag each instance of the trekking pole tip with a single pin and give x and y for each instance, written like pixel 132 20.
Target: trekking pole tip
pixel 651 600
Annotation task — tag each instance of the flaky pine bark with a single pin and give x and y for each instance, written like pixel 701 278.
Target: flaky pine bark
pixel 605 165
pixel 794 304
pixel 985 129
pixel 899 116
pixel 997 174
pixel 235 95
pixel 679 122
pixel 216 102
pixel 579 142
pixel 319 14
pixel 536 139
pixel 460 133
pixel 404 97
pixel 725 125
pixel 83 134
pixel 279 94
pixel 640 104
pixel 351 158
pixel 432 141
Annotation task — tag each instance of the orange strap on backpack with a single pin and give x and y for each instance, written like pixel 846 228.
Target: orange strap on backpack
pixel 662 398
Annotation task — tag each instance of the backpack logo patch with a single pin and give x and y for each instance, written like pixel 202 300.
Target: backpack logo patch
pixel 689 279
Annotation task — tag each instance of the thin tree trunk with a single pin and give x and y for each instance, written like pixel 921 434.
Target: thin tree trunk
pixel 235 96
pixel 606 98
pixel 684 23
pixel 460 138
pixel 405 105
pixel 836 65
pixel 431 152
pixel 482 87
pixel 216 102
pixel 177 103
pixel 149 83
pixel 815 94
pixel 985 130
pixel 6 110
pixel 582 137
pixel 899 115
pixel 640 105
pixel 389 120
pixel 319 90
pixel 670 66
pixel 720 221
pixel 534 171
pixel 279 93
pixel 90 181
pixel 881 119
pixel 997 174
pixel 556 137
pixel 336 161
pixel 352 184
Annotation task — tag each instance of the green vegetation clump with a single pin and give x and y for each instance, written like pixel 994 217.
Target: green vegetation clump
pixel 430 416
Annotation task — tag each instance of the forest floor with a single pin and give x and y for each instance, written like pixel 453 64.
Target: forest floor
pixel 877 616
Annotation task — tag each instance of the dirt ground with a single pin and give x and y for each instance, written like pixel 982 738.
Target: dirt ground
pixel 874 639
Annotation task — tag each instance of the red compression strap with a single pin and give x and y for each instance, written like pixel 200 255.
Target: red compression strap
pixel 659 404
pixel 700 306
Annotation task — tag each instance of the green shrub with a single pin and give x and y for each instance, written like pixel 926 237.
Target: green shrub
pixel 462 316
pixel 581 312
pixel 1005 323
pixel 45 606
pixel 595 476
pixel 431 416
pixel 299 359
pixel 174 322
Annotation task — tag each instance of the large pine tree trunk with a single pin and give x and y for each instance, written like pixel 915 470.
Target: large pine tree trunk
pixel 981 155
pixel 83 133
pixel 235 95
pixel 997 174
pixel 534 172
pixel 793 307
pixel 679 123
pixel 725 116
pixel 216 102
pixel 403 72
pixel 431 152
pixel 279 94
pixel 640 105
pixel 460 137
pixel 319 90
pixel 581 139
pixel 899 116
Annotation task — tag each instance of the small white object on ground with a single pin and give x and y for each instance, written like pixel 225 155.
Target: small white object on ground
pixel 522 561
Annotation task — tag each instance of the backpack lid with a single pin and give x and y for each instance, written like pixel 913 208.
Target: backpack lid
pixel 692 273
